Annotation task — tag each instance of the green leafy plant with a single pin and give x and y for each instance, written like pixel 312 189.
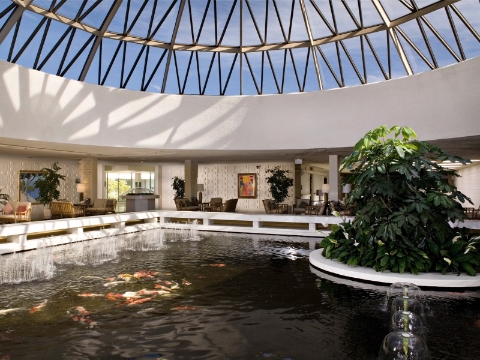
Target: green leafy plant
pixel 404 203
pixel 178 186
pixel 279 183
pixel 48 185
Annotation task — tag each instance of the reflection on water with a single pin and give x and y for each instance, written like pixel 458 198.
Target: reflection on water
pixel 224 297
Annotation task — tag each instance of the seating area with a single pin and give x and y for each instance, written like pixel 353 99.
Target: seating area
pixel 214 205
pixel 16 211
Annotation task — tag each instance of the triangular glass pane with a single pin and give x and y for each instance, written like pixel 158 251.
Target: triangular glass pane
pixel 311 81
pixel 182 59
pixel 374 73
pixel 76 68
pixel 184 34
pixel 395 9
pixel 212 86
pixel 165 31
pixel 274 33
pixel 259 9
pixel 108 52
pixel 417 64
pixel 223 9
pixel 248 87
pixel 379 43
pixel 232 34
pixel 349 75
pixel 5 46
pixel 369 13
pixel 250 34
pixel 233 86
pixel 70 8
pixel 55 32
pixel 140 28
pixel 79 40
pixel 192 86
pixel 470 44
pixel 290 83
pixel 207 36
pixel 344 20
pixel 412 30
pixel 330 52
pixel 255 59
pixel 135 80
pixel 276 57
pixel 354 48
pixel 424 3
pixel 353 5
pixel 154 56
pixel 226 61
pixel 118 22
pixel 45 4
pixel 318 26
pixel 172 81
pixel 198 9
pixel 92 74
pixel 300 57
pixel 397 67
pixel 443 56
pixel 299 30
pixel 29 22
pixel 469 9
pixel 328 80
pixel 269 85
pixel 97 16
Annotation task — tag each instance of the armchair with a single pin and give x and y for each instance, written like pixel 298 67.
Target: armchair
pixel 272 208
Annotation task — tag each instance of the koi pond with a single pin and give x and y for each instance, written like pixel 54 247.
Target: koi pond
pixel 151 295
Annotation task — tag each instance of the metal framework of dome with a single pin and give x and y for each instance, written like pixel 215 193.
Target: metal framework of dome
pixel 237 47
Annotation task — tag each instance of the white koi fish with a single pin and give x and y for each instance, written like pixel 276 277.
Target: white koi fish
pixel 114 283
pixel 8 311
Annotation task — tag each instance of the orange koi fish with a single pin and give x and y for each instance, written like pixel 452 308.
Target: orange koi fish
pixel 140 274
pixel 113 296
pixel 160 286
pixel 185 282
pixel 82 310
pixel 139 301
pixel 90 295
pixel 185 307
pixel 39 306
pixel 147 292
pixel 477 322
pixel 111 279
pixel 217 265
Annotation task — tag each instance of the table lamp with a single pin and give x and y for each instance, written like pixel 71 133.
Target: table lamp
pixel 346 190
pixel 81 189
pixel 200 188
pixel 325 191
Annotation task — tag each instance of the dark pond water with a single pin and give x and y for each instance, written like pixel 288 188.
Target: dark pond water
pixel 260 300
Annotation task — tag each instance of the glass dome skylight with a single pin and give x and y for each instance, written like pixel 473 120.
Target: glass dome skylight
pixel 237 47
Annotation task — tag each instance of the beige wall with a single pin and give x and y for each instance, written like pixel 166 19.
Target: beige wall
pixel 220 180
pixel 34 105
pixel 469 184
pixel 9 178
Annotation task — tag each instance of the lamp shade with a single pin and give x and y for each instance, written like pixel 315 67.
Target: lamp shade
pixel 325 188
pixel 347 188
pixel 200 187
pixel 81 188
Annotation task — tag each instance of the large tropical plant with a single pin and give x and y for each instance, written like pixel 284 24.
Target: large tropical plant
pixel 279 183
pixel 178 186
pixel 48 185
pixel 404 205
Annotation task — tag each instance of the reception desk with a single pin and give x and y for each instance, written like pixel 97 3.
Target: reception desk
pixel 141 202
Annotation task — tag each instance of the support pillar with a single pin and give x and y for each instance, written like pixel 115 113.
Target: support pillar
pixel 298 178
pixel 191 175
pixel 89 177
pixel 335 193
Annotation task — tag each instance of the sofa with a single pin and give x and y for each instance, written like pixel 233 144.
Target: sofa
pixel 65 209
pixel 185 205
pixel 273 208
pixel 20 211
pixel 102 207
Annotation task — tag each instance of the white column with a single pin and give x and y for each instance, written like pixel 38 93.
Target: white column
pixel 334 178
pixel 191 175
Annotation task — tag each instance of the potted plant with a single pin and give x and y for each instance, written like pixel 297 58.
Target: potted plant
pixel 48 188
pixel 178 186
pixel 279 183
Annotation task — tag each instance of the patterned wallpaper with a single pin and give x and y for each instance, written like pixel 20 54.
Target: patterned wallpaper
pixel 221 181
pixel 9 173
pixel 469 184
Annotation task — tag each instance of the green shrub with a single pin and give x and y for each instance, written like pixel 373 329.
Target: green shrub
pixel 404 204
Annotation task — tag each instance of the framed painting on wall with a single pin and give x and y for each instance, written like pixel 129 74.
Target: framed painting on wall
pixel 247 186
pixel 27 191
